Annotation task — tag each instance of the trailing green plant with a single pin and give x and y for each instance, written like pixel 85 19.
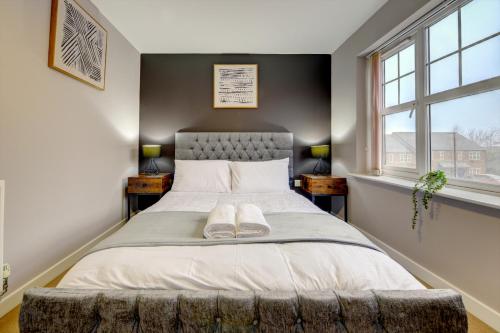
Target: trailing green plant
pixel 429 184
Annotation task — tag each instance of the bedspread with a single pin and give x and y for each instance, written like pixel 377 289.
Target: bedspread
pixel 286 266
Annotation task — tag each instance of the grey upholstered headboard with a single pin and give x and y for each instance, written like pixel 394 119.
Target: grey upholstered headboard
pixel 234 146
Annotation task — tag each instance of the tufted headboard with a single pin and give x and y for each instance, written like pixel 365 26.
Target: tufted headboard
pixel 234 146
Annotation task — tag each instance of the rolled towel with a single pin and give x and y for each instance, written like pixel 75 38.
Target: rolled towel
pixel 221 222
pixel 250 222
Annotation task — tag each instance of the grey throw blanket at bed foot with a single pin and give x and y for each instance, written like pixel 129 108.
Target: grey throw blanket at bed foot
pixel 186 229
pixel 141 311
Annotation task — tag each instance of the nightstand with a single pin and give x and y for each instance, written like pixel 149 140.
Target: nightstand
pixel 153 185
pixel 325 186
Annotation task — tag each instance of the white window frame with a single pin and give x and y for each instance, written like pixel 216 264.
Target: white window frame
pixel 474 155
pixel 476 171
pixel 423 99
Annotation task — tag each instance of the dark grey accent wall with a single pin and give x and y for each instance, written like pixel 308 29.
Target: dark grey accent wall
pixel 294 96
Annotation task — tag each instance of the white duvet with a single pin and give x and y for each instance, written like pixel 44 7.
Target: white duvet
pixel 292 266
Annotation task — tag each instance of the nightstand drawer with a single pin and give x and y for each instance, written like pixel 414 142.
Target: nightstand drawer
pixel 324 184
pixel 146 184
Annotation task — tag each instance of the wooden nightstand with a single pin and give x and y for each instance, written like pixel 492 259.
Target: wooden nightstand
pixel 155 185
pixel 325 186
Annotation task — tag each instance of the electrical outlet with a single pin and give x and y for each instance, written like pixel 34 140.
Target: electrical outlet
pixel 297 183
pixel 5 280
pixel 6 270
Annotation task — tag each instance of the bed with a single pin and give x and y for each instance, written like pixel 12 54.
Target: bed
pixel 314 273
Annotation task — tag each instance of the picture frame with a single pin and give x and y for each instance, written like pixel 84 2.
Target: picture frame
pixel 235 86
pixel 77 50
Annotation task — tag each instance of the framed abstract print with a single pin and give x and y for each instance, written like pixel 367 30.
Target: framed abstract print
pixel 77 45
pixel 235 86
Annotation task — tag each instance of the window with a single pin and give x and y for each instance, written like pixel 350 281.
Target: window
pixel 464 46
pixel 399 94
pixel 399 139
pixel 441 96
pixel 474 171
pixel 470 124
pixel 474 156
pixel 399 77
pixel 405 157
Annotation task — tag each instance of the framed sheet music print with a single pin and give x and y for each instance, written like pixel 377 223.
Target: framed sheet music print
pixel 235 86
pixel 77 45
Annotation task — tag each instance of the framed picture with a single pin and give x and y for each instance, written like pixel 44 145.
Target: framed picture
pixel 235 86
pixel 77 45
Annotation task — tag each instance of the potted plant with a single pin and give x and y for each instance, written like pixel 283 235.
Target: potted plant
pixel 429 184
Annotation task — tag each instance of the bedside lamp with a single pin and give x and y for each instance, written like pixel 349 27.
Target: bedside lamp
pixel 321 153
pixel 152 152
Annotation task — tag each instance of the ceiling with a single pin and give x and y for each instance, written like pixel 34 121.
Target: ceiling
pixel 237 26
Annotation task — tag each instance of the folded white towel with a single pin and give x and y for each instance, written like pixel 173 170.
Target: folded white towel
pixel 250 222
pixel 221 222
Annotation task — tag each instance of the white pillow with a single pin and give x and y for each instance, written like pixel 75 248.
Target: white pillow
pixel 202 176
pixel 259 177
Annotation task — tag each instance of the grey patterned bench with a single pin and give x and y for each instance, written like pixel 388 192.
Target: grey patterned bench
pixel 75 310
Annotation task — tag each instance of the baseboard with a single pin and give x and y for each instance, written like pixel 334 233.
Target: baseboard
pixel 472 304
pixel 13 299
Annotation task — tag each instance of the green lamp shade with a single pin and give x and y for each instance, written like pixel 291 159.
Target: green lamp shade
pixel 320 151
pixel 151 151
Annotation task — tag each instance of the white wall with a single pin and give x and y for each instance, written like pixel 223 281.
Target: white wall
pixel 459 242
pixel 65 148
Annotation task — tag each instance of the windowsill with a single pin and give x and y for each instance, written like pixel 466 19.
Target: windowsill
pixel 481 199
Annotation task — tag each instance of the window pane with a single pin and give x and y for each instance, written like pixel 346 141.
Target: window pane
pixel 480 19
pixel 399 140
pixel 465 137
pixel 407 88
pixel 481 61
pixel 444 74
pixel 407 60
pixel 391 68
pixel 443 36
pixel 391 93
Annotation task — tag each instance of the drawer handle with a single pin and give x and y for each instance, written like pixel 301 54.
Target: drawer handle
pixel 144 185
